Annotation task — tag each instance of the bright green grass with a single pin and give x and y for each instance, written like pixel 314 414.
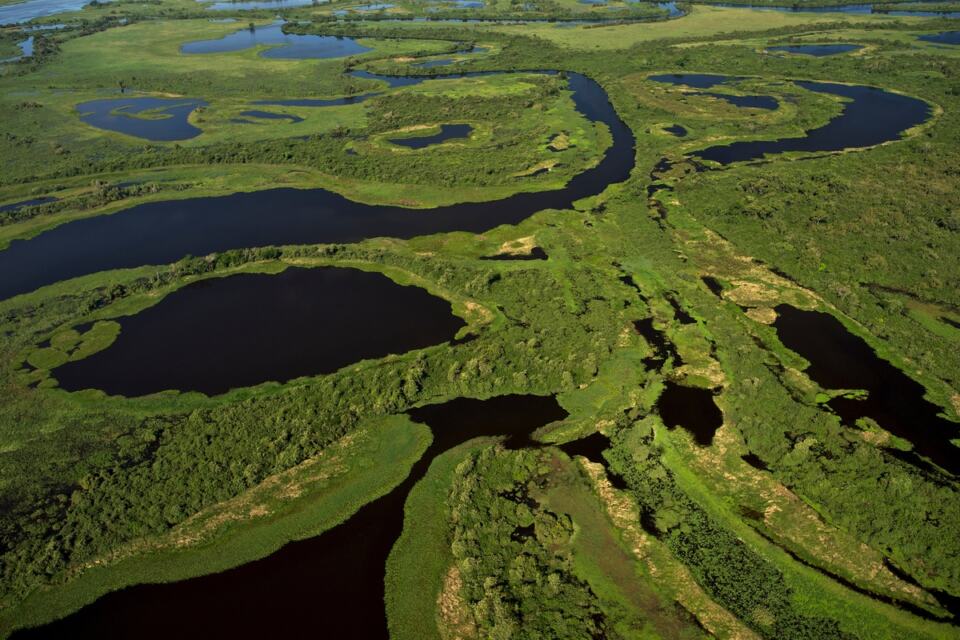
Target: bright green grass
pixel 702 21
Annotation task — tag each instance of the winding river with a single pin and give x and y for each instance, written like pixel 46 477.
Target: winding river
pixel 335 581
pixel 328 586
pixel 163 232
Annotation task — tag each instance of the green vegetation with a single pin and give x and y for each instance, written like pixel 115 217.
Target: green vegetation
pixel 790 524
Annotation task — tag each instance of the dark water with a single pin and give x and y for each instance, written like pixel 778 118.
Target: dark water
pixel 862 8
pixel 256 4
pixel 695 80
pixel 447 132
pixel 223 333
pixel 13 206
pixel 537 253
pixel 162 232
pixel 379 6
pixel 872 116
pixel 707 81
pixel 946 37
pixel 842 360
pixel 167 118
pixel 690 408
pixel 744 102
pixel 282 45
pixel 439 62
pixel 314 102
pixel 677 130
pixel 818 50
pixel 662 347
pixel 754 461
pixel 270 115
pixel 592 448
pixel 443 62
pixel 329 586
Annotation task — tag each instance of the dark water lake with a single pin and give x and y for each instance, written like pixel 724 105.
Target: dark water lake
pixel 946 37
pixel 744 102
pixel 690 408
pixel 536 253
pixel 817 50
pixel 862 8
pixel 439 62
pixel 224 333
pixel 13 206
pixel 661 346
pixel 255 4
pixel 695 80
pixel 163 232
pixel 676 130
pixel 842 360
pixel 282 45
pixel 444 62
pixel 708 81
pixel 592 448
pixel 268 115
pixel 447 132
pixel 870 116
pixel 329 586
pixel 158 119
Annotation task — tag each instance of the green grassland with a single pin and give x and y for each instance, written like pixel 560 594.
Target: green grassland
pixel 703 22
pixel 501 543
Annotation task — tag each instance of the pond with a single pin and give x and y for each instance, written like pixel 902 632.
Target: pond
pixel 695 80
pixel 26 50
pixel 817 50
pixel 945 37
pixel 224 333
pixel 13 206
pixel 870 116
pixel 282 45
pixel 158 119
pixel 266 115
pixel 691 408
pixel 443 62
pixel 861 8
pixel 165 231
pixel 841 360
pixel 252 5
pixel 447 132
pixel 676 130
pixel 744 102
pixel 333 582
pixel 26 11
pixel 708 81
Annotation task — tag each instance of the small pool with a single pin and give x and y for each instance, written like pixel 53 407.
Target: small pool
pixel 158 119
pixel 817 50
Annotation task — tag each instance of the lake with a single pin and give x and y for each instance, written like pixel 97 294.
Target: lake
pixel 223 333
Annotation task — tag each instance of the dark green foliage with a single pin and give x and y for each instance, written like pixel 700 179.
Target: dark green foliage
pixel 514 556
pixel 735 575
